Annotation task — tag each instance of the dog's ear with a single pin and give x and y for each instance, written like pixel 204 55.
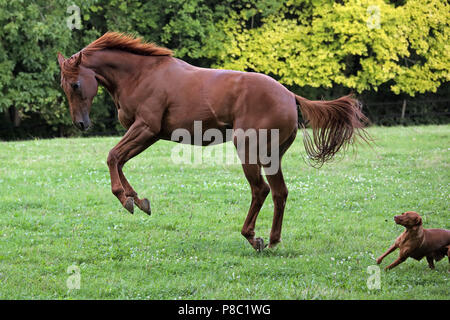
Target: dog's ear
pixel 418 220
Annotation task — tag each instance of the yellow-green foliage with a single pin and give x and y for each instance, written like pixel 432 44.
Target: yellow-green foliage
pixel 363 45
pixel 359 44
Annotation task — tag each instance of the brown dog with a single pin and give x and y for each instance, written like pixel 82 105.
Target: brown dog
pixel 417 242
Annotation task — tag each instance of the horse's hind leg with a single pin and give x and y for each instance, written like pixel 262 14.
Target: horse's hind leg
pixel 260 190
pixel 279 194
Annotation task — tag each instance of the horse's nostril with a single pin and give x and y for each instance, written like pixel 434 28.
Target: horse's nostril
pixel 81 125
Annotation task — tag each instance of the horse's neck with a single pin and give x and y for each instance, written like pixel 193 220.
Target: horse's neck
pixel 113 68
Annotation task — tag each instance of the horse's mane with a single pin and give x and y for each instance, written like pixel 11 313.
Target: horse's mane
pixel 124 42
pixel 114 41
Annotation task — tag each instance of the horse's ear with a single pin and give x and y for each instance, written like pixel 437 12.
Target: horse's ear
pixel 61 59
pixel 78 58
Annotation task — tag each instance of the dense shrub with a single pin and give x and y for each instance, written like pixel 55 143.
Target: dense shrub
pixel 383 51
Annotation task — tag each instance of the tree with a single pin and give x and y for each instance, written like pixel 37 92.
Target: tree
pixel 360 44
pixel 29 42
pixel 363 45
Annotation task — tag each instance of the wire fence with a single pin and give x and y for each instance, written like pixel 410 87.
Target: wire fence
pixel 401 112
pixel 430 111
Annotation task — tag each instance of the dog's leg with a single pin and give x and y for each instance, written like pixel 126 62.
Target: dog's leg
pixel 430 262
pixel 399 260
pixel 390 250
pixel 448 255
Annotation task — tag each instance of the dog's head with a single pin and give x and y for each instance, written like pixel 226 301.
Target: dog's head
pixel 408 219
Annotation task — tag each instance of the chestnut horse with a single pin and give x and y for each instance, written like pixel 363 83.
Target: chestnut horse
pixel 155 94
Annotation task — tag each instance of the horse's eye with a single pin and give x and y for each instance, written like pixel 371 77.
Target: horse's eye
pixel 75 85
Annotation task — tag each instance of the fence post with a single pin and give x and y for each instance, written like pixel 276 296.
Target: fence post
pixel 403 109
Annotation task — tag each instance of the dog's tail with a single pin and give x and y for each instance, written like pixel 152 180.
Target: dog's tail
pixel 334 123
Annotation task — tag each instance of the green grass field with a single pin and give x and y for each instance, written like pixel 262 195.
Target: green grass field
pixel 57 210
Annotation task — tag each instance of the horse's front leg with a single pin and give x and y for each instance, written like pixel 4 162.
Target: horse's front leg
pixel 143 204
pixel 138 137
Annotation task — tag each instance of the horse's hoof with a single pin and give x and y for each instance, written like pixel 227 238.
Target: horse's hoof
pixel 259 244
pixel 273 244
pixel 144 205
pixel 129 205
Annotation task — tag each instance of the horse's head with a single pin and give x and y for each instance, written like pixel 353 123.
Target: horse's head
pixel 80 85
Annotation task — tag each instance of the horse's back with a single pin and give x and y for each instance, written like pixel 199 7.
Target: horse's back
pixel 266 103
pixel 250 97
pixel 225 98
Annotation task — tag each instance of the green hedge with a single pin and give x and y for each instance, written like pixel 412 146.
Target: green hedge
pixel 378 49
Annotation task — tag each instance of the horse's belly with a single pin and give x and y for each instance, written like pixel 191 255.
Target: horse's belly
pixel 197 132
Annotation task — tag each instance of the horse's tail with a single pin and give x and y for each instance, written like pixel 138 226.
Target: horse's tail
pixel 334 123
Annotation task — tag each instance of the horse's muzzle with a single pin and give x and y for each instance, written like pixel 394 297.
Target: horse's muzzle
pixel 83 124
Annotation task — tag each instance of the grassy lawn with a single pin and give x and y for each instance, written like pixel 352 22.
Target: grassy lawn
pixel 57 210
